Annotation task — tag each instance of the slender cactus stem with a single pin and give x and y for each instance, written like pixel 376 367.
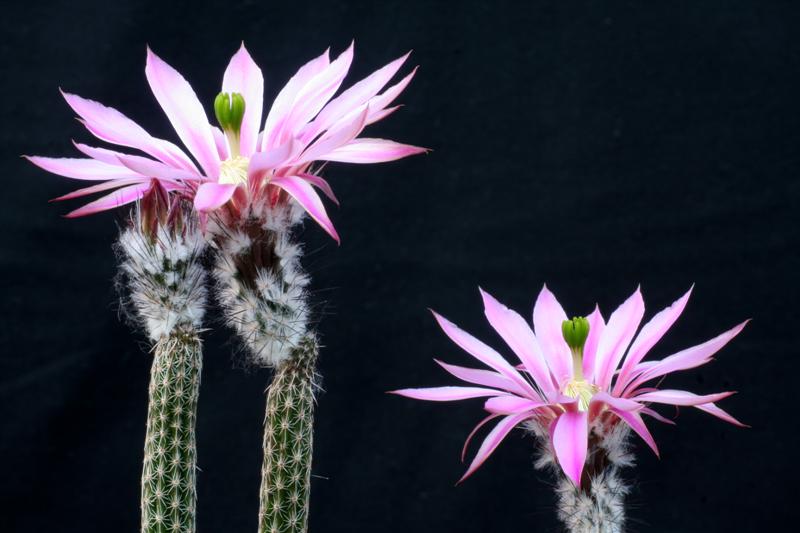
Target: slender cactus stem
pixel 288 438
pixel 169 497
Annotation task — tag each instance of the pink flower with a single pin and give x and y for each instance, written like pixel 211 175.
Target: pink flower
pixel 243 164
pixel 574 374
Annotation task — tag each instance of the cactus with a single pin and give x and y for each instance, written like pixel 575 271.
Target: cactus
pixel 288 437
pixel 262 289
pixel 598 506
pixel 161 268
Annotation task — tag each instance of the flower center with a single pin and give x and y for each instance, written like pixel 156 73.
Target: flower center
pixel 234 170
pixel 581 390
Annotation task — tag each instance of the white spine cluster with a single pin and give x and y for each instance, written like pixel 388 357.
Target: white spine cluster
pixel 599 505
pixel 261 284
pixel 165 278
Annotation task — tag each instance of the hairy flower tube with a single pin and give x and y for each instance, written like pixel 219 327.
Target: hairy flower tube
pixel 579 381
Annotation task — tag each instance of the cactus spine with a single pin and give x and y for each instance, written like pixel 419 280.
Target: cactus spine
pixel 160 267
pixel 288 437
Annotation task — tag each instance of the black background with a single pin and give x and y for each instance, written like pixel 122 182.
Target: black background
pixel 590 145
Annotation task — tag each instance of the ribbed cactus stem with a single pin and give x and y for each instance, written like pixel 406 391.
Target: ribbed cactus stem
pixel 169 497
pixel 288 438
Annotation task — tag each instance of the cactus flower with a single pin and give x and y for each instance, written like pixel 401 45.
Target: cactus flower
pixel 572 373
pixel 243 163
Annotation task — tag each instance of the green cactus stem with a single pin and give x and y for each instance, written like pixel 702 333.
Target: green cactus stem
pixel 169 497
pixel 288 437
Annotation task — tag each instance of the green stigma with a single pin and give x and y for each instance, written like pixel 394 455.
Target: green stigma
pixel 229 108
pixel 575 332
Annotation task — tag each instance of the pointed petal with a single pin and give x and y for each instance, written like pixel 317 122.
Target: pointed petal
pixel 110 157
pixel 570 441
pixel 473 432
pixel 108 124
pixel 211 196
pixel 712 409
pixel 623 404
pixel 493 439
pixel 366 150
pixel 547 318
pixel 649 412
pixel 446 394
pixel 509 404
pixel 244 77
pixel 634 420
pixel 519 337
pixel 334 139
pixel 487 378
pixel 356 95
pixel 378 103
pixel 83 169
pixel 116 199
pixel 620 329
pixel 316 93
pixel 320 184
pixel 596 327
pixel 688 358
pixel 680 397
pixel 307 197
pixel 100 187
pixel 650 334
pixel 482 353
pixel 155 169
pixel 282 105
pixel 184 111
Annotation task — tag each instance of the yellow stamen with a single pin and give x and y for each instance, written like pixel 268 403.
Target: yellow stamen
pixel 234 170
pixel 582 390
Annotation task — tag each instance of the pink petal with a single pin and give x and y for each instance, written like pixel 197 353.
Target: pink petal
pixel 155 169
pixel 649 412
pixel 596 327
pixel 712 409
pixel 100 187
pixel 101 154
pixel 221 143
pixel 83 169
pixel 308 198
pixel 482 353
pixel 547 318
pixel 487 378
pixel 570 441
pixel 264 161
pixel 117 198
pixel 688 358
pixel 333 139
pixel 184 111
pixel 366 150
pixel 108 124
pixel 622 404
pixel 211 196
pixel 243 76
pixel 619 331
pixel 356 96
pixel 634 420
pixel 316 93
pixel 519 337
pixel 320 184
pixel 680 397
pixel 446 394
pixel 493 439
pixel 473 432
pixel 510 405
pixel 650 334
pixel 282 105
